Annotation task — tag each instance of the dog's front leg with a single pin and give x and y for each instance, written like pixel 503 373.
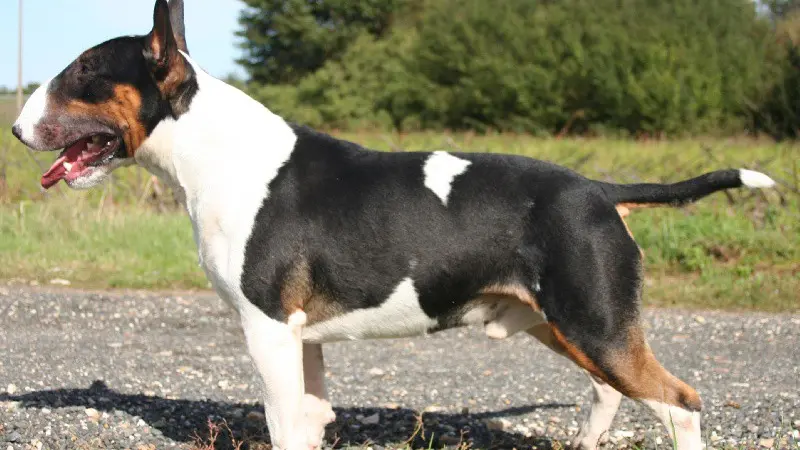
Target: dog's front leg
pixel 277 351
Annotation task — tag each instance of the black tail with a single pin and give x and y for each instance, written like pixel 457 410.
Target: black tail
pixel 686 191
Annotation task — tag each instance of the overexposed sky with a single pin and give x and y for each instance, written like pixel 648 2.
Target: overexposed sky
pixel 57 31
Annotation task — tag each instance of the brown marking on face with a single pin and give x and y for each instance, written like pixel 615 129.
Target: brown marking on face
pixel 513 291
pixel 122 111
pixel 297 292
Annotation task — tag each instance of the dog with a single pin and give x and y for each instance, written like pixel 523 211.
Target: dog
pixel 312 239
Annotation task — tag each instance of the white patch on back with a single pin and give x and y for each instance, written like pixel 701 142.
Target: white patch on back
pixel 399 316
pixel 33 111
pixel 441 169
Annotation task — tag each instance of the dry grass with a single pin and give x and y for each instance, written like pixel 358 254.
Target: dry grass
pixel 216 432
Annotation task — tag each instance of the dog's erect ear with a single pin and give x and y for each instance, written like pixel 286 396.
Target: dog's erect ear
pixel 162 49
pixel 171 71
pixel 178 27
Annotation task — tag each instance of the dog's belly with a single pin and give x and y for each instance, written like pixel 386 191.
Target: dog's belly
pixel 502 317
pixel 363 327
pixel 401 316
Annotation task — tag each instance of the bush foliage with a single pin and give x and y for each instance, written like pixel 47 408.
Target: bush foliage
pixel 537 66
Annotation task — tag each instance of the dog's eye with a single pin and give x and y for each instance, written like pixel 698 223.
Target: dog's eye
pixel 97 90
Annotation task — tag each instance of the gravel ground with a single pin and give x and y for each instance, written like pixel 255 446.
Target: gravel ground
pixel 146 371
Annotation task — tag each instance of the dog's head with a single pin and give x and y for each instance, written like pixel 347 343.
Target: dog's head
pixel 105 104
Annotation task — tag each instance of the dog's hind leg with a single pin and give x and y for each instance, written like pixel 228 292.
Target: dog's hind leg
pixel 317 410
pixel 277 352
pixel 590 291
pixel 605 399
pixel 674 402
pixel 605 403
pixel 626 364
pixel 632 370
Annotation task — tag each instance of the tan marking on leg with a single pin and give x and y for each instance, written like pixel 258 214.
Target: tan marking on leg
pixel 640 376
pixel 575 354
pixel 545 335
pixel 634 370
pixel 624 211
pixel 635 373
pixel 297 292
pixel 631 205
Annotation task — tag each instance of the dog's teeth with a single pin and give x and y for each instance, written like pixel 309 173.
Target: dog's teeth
pixel 68 166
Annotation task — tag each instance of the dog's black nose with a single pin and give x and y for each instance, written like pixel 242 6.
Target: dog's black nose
pixel 16 130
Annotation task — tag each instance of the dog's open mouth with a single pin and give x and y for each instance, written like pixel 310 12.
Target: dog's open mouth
pixel 80 158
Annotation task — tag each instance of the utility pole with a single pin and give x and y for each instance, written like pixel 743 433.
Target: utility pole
pixel 19 63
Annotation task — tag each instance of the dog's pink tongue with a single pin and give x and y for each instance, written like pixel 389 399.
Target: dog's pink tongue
pixel 57 170
pixel 55 174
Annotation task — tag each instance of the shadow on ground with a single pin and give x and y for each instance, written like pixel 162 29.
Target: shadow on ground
pixel 188 420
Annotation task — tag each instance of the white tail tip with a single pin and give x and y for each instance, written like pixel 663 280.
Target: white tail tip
pixel 755 180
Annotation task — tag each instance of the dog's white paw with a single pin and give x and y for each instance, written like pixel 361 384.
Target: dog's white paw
pixel 317 413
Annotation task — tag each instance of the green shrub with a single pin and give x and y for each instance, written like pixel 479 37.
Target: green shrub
pixel 581 66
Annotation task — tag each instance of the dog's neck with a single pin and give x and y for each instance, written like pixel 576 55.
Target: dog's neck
pixel 221 156
pixel 224 138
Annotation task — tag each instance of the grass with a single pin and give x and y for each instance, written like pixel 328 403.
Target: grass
pixel 8 109
pixel 739 250
pixel 120 248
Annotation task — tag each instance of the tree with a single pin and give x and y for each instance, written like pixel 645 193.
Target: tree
pixel 285 40
pixel 30 87
pixel 781 8
pixel 635 65
pixel 542 66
